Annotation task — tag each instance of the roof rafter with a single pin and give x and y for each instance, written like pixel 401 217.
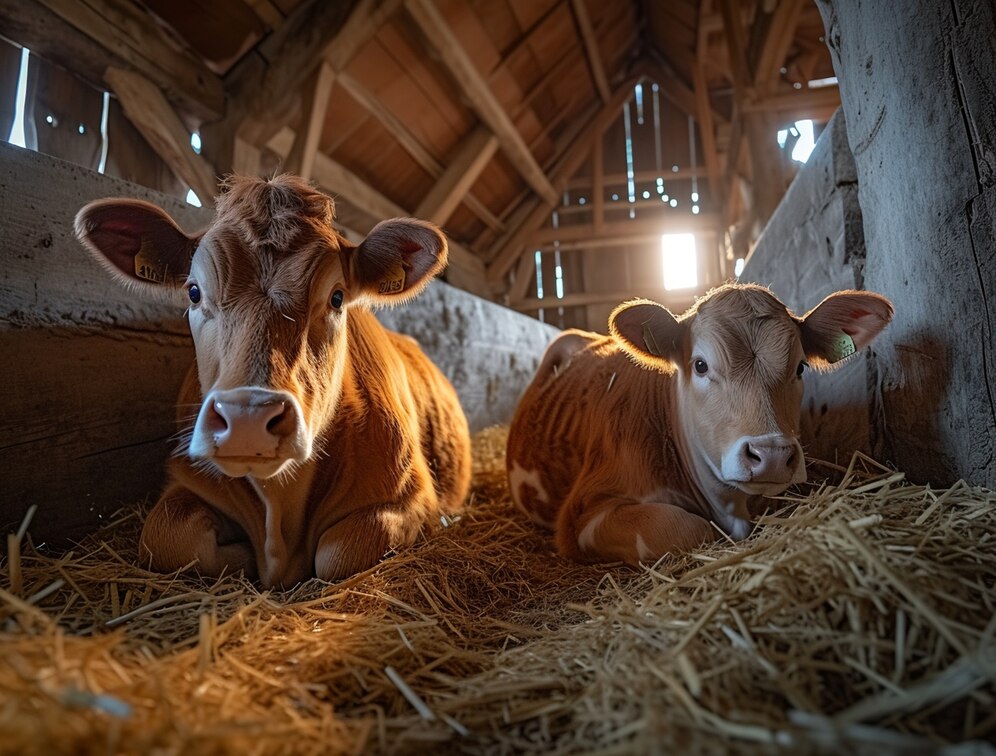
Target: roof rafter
pixel 441 38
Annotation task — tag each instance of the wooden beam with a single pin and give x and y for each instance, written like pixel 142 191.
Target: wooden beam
pixel 674 89
pixel 598 185
pixel 623 230
pixel 147 108
pixel 411 144
pixel 88 37
pixel 777 42
pixel 466 269
pixel 302 155
pixel 580 299
pixel 615 179
pixel 590 41
pixel 798 99
pixel 441 38
pixel 474 153
pixel 525 270
pixel 504 256
pixel 361 26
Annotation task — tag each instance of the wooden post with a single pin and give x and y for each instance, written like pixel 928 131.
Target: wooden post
pixel 302 155
pixel 597 184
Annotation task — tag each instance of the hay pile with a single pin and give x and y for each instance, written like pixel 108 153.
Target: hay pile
pixel 860 616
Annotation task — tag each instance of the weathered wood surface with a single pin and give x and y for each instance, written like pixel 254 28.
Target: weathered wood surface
pixel 93 371
pixel 812 246
pixel 916 82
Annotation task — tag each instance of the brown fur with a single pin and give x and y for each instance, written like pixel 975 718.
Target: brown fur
pixel 390 442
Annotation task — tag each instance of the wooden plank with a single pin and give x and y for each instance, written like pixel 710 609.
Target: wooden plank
pixel 65 112
pixel 441 38
pixel 146 107
pixel 411 143
pixel 615 179
pixel 623 230
pixel 474 153
pixel 302 155
pixel 130 157
pixel 590 41
pixel 10 68
pixel 52 37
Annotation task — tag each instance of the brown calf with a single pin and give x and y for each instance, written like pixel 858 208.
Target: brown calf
pixel 313 440
pixel 629 445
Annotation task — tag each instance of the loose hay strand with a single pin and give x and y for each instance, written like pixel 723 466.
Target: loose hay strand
pixel 857 615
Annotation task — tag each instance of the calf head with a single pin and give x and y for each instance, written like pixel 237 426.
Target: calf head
pixel 269 287
pixel 739 356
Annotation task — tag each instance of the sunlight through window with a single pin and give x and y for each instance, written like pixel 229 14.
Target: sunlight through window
pixel 17 135
pixel 681 269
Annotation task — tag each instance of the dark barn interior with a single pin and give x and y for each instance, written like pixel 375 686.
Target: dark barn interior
pixel 577 154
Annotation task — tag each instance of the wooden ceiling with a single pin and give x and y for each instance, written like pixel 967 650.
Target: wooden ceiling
pixel 479 114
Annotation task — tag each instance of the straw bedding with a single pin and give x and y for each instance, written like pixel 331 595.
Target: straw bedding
pixel 860 615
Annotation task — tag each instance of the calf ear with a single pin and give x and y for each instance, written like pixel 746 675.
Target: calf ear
pixel 397 260
pixel 648 332
pixel 843 324
pixel 137 241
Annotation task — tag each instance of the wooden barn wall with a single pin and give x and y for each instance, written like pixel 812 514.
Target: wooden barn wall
pixel 916 81
pixel 814 245
pixel 93 371
pixel 10 66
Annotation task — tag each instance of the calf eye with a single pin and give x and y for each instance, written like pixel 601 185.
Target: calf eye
pixel 700 367
pixel 801 369
pixel 194 292
pixel 336 299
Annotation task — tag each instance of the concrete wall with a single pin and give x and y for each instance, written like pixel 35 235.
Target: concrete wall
pixel 917 84
pixel 812 246
pixel 92 372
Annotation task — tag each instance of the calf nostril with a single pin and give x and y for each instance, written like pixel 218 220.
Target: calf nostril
pixel 273 422
pixel 752 455
pixel 790 462
pixel 216 417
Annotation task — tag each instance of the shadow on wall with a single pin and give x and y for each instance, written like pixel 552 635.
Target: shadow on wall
pixel 914 396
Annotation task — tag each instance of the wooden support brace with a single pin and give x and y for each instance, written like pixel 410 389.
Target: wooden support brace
pixel 146 107
pixel 471 158
pixel 591 49
pixel 302 155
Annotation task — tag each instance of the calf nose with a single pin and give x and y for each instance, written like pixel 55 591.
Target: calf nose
pixel 248 424
pixel 770 459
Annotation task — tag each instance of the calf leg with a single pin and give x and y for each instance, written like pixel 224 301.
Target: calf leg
pixel 630 531
pixel 182 528
pixel 359 540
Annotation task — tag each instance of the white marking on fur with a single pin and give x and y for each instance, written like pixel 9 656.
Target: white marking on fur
pixel 519 477
pixel 586 538
pixel 611 381
pixel 643 551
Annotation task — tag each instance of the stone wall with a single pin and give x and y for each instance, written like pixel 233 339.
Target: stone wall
pixel 917 86
pixel 92 371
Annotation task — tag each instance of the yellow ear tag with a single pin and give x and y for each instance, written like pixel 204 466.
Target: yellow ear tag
pixel 393 281
pixel 843 347
pixel 149 267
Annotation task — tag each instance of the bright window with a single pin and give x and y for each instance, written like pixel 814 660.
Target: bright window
pixel 681 268
pixel 805 143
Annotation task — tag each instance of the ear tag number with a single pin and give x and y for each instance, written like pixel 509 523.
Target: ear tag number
pixel 393 281
pixel 148 267
pixel 842 348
